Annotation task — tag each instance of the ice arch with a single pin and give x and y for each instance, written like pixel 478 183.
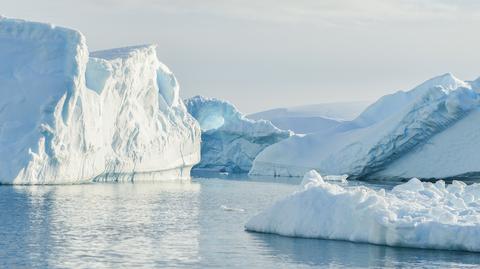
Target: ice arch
pixel 230 142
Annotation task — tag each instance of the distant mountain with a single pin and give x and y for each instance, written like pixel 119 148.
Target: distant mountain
pixel 311 118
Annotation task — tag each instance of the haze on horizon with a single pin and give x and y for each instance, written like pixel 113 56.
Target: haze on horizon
pixel 268 54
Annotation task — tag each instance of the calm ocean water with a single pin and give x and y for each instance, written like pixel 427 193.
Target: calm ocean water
pixel 197 224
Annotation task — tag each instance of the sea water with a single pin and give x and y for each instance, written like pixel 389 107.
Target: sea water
pixel 185 224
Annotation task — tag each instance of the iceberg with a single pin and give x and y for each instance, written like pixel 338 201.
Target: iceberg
pixel 427 132
pixel 230 141
pixel 414 214
pixel 69 116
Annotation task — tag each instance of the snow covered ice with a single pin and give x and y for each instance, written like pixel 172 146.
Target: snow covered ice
pixel 67 115
pixel 428 132
pixel 230 142
pixel 414 214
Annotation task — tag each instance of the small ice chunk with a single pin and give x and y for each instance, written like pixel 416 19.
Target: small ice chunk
pixel 227 208
pixel 413 185
pixel 340 178
pixel 311 178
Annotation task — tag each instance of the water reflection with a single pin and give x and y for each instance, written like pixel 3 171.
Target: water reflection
pixel 106 225
pixel 18 233
pixel 206 174
pixel 173 224
pixel 332 253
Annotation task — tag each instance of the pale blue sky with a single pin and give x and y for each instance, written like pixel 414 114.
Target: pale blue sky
pixel 272 53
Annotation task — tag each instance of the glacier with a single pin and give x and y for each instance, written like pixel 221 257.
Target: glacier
pixel 427 132
pixel 414 214
pixel 230 141
pixel 71 116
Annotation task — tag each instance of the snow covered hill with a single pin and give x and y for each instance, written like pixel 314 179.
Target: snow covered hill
pixel 311 118
pixel 67 116
pixel 230 142
pixel 428 132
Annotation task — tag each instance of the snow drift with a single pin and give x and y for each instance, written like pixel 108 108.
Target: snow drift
pixel 429 129
pixel 66 117
pixel 414 214
pixel 230 142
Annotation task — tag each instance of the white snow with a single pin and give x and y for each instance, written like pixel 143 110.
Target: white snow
pixel 391 104
pixel 230 142
pixel 449 154
pixel 425 133
pixel 414 214
pixel 67 116
pixel 313 177
pixel 227 208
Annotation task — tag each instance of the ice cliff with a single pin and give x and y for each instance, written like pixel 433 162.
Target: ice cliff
pixel 428 132
pixel 230 142
pixel 67 115
pixel 413 214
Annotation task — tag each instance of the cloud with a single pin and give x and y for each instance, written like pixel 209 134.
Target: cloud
pixel 336 12
pixel 321 13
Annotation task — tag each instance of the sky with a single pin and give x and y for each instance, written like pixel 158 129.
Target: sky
pixel 278 53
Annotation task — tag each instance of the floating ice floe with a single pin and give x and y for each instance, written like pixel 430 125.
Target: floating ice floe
pixel 414 214
pixel 227 208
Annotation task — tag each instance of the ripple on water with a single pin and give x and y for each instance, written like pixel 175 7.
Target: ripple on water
pixel 185 224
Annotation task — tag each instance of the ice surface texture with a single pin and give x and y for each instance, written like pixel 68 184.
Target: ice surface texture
pixel 67 116
pixel 230 142
pixel 439 117
pixel 414 214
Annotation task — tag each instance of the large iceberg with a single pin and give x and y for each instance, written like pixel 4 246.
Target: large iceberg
pixel 68 116
pixel 230 142
pixel 413 214
pixel 428 132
